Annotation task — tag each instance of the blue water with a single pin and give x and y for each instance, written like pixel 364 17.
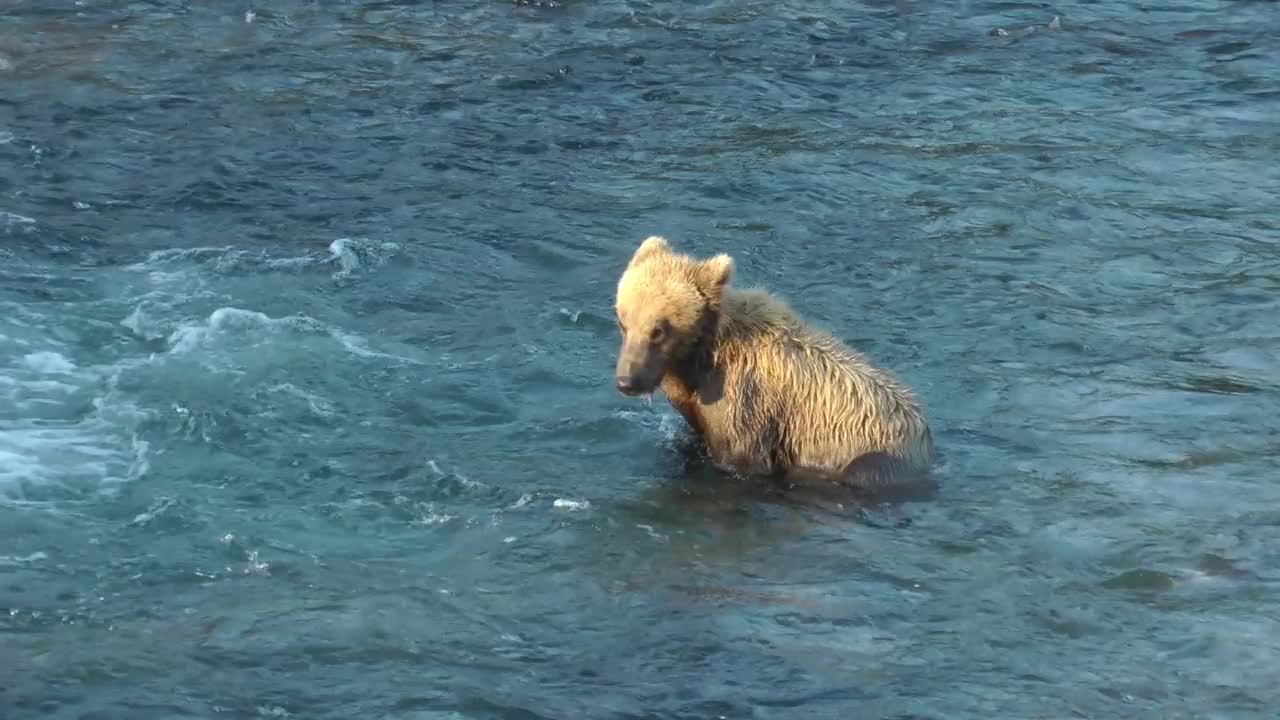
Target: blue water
pixel 306 350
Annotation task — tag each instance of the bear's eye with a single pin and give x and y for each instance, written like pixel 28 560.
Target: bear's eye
pixel 655 335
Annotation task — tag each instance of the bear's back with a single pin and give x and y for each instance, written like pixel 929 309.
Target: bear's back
pixel 821 405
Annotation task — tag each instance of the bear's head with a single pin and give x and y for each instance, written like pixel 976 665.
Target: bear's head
pixel 667 304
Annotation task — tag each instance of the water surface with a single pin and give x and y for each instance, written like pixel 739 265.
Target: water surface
pixel 306 346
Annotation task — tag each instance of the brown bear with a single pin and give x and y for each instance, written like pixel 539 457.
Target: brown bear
pixel 767 393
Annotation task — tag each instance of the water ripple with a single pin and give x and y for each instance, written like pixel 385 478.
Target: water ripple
pixel 307 331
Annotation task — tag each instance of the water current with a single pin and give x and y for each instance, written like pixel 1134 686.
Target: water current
pixel 306 352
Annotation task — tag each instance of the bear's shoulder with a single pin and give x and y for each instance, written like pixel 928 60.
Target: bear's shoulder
pixel 758 309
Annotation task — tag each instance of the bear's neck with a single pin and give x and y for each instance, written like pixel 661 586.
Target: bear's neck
pixel 681 381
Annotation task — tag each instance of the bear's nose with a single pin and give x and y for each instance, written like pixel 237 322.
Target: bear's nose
pixel 625 386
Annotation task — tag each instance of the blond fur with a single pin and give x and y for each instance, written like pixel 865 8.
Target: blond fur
pixel 766 391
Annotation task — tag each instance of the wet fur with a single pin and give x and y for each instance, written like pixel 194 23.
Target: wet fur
pixel 768 393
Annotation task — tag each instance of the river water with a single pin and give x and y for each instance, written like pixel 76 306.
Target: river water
pixel 306 349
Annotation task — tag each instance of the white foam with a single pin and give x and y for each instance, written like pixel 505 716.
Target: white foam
pixel 344 254
pixel 23 559
pixel 81 455
pixel 9 218
pixel 351 254
pixel 659 417
pixel 190 266
pixel 162 257
pixel 187 277
pixel 434 518
pixel 254 566
pixel 139 324
pixel 357 345
pixel 179 297
pixel 228 321
pixel 47 439
pixel 49 362
pixel 151 513
pixel 670 426
pixel 318 404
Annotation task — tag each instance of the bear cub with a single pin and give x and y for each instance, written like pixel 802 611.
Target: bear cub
pixel 767 393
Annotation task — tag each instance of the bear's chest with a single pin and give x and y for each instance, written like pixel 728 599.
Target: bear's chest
pixel 684 399
pixel 699 397
pixel 688 406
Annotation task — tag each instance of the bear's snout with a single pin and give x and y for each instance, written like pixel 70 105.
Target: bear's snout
pixel 638 371
pixel 635 383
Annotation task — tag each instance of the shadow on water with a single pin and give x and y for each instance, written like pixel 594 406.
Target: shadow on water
pixel 689 485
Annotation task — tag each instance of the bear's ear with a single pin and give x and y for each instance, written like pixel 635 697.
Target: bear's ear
pixel 651 245
pixel 714 274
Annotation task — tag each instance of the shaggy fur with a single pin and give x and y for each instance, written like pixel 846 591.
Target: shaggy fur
pixel 766 392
